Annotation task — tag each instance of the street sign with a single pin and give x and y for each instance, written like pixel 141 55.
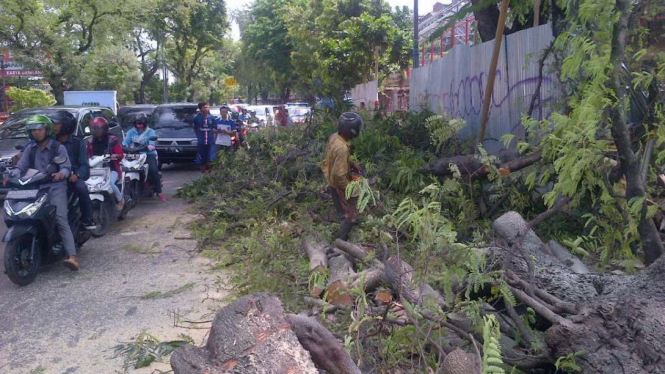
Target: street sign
pixel 12 68
pixel 230 82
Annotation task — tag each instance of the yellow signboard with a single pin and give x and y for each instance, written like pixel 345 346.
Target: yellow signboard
pixel 230 82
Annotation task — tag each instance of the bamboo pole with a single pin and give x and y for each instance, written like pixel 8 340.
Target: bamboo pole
pixel 492 73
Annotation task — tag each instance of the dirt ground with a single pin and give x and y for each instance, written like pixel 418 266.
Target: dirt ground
pixel 144 275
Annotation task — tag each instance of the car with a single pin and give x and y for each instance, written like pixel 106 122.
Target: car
pixel 298 104
pixel 264 113
pixel 13 132
pixel 173 125
pixel 127 114
pixel 298 114
pixel 14 136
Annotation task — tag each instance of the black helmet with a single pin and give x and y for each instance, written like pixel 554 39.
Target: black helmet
pixel 67 119
pixel 141 118
pixel 349 124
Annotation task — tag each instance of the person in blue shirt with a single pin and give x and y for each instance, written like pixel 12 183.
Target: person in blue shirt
pixel 204 128
pixel 225 130
pixel 141 134
pixel 64 125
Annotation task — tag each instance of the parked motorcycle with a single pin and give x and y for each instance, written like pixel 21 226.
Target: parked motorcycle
pixel 135 167
pixel 32 236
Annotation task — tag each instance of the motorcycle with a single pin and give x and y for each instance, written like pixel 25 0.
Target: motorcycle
pixel 135 167
pixel 32 236
pixel 101 194
pixel 241 138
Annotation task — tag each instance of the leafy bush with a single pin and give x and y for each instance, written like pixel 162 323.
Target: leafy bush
pixel 30 98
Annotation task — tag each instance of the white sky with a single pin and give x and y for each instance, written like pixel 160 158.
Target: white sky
pixel 424 7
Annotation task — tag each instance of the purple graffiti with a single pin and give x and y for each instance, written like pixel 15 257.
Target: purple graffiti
pixel 466 98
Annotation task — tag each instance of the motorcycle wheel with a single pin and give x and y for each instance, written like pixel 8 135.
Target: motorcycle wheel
pixel 102 219
pixel 18 266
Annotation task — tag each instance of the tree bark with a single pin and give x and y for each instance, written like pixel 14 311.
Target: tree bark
pixel 630 163
pixel 487 19
pixel 248 336
pixel 316 252
pixel 326 351
pixel 619 325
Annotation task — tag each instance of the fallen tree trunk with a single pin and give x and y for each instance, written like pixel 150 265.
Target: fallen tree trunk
pixel 326 351
pixel 248 336
pixel 341 275
pixel 470 165
pixel 399 275
pixel 316 252
pixel 620 324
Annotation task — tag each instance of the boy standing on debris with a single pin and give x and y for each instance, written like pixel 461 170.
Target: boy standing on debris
pixel 337 168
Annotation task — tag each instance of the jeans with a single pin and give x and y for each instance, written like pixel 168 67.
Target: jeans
pixel 153 174
pixel 58 198
pixel 81 190
pixel 116 189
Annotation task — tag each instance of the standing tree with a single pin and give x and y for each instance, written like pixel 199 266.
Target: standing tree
pixel 53 35
pixel 195 29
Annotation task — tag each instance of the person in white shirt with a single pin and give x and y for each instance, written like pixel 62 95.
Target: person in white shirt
pixel 225 129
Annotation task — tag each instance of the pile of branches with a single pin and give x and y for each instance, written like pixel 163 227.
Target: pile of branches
pixel 600 323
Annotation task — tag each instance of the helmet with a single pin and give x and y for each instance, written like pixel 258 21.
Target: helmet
pixel 349 124
pixel 67 119
pixel 141 118
pixel 36 122
pixel 100 122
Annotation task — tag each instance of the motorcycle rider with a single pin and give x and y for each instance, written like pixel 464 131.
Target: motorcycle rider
pixel 141 134
pixel 337 168
pixel 99 145
pixel 64 125
pixel 39 155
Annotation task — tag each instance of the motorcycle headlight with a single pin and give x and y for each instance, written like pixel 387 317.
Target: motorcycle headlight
pixel 27 211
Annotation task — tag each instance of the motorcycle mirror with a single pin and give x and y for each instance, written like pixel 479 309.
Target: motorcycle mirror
pixel 153 138
pixel 59 160
pixel 18 148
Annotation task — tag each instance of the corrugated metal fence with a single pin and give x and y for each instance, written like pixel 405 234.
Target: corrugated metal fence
pixel 455 84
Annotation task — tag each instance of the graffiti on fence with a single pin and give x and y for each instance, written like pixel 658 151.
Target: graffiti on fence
pixel 466 98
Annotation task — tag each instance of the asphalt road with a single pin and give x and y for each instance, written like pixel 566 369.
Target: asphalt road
pixel 138 277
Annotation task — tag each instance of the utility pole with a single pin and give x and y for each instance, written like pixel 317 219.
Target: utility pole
pixel 165 75
pixel 415 34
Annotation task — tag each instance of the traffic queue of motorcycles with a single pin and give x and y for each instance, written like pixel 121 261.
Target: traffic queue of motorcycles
pixel 32 237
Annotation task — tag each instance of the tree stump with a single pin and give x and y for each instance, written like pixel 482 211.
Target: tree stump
pixel 248 336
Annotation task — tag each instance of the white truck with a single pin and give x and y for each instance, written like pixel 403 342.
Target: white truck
pixel 92 98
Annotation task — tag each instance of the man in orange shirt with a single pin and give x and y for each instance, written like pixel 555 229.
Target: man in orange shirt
pixel 337 168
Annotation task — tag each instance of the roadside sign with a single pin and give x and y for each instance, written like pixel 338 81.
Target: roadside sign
pixel 13 68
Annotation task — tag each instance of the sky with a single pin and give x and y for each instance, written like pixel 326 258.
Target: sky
pixel 424 7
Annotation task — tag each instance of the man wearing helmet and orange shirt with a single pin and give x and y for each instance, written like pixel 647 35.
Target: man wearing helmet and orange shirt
pixel 338 169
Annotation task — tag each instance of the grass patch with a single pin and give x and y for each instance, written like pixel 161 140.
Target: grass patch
pixel 146 349
pixel 137 248
pixel 159 295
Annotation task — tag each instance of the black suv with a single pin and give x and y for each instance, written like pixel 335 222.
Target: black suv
pixel 127 114
pixel 173 125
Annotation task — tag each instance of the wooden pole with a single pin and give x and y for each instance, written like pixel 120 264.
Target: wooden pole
pixel 492 73
pixel 536 13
